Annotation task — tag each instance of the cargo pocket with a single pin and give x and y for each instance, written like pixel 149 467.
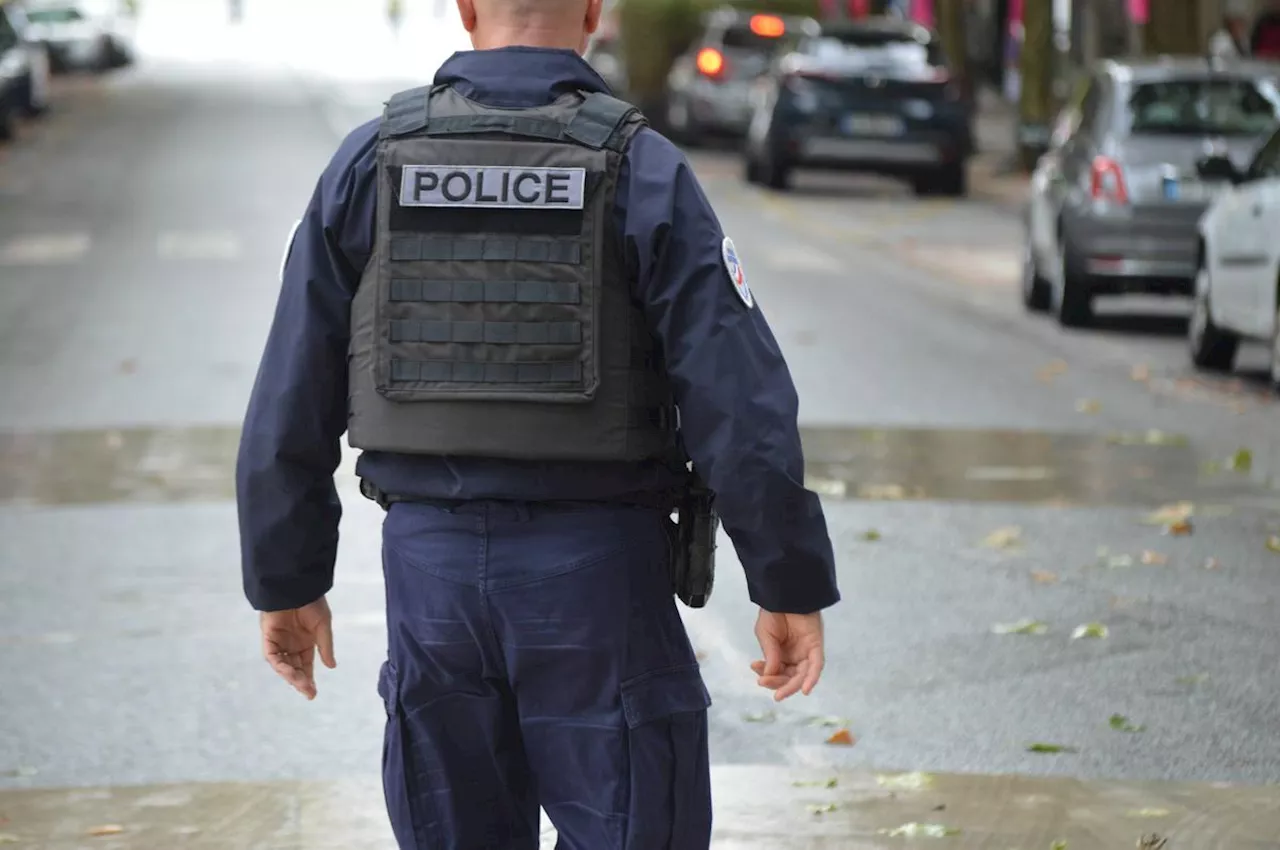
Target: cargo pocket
pixel 398 774
pixel 670 801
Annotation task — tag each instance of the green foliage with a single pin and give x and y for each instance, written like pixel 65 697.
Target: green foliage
pixel 654 32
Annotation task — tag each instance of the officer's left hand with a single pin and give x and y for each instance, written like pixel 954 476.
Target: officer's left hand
pixel 290 639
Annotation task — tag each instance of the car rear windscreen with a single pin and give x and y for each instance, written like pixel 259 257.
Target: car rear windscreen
pixel 1198 106
pixel 876 50
pixel 54 15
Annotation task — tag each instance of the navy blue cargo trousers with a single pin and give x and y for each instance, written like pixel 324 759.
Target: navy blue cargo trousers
pixel 536 657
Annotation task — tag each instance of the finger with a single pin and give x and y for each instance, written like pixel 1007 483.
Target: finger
pixel 293 675
pixel 772 683
pixel 792 685
pixel 815 662
pixel 324 642
pixel 772 654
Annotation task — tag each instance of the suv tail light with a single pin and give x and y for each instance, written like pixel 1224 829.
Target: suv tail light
pixel 710 62
pixel 1106 181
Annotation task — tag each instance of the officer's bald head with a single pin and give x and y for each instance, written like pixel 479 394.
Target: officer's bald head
pixel 530 23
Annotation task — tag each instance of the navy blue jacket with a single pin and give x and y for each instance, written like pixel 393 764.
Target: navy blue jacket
pixel 736 398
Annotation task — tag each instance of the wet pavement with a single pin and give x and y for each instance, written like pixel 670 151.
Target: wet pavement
pixel 994 485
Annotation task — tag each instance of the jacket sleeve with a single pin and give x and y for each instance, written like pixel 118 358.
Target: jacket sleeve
pixel 738 404
pixel 290 444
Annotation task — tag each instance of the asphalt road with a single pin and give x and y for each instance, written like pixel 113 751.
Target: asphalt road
pixel 141 229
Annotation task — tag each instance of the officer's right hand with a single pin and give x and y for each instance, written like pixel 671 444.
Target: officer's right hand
pixel 792 646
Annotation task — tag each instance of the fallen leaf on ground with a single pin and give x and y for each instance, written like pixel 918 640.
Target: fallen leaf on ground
pixel 1116 562
pixel 760 716
pixel 1273 543
pixel 1149 557
pixel 816 783
pixel 1181 528
pixel 1051 370
pixel 1049 748
pixel 822 809
pixel 1151 437
pixel 700 656
pixel 1088 405
pixel 1171 513
pixel 842 738
pixel 1090 630
pixel 106 829
pixel 1008 537
pixel 128 367
pixel 1058 845
pixel 7 838
pixel 1021 627
pixel 1152 842
pixel 1241 461
pixel 1120 723
pixel 913 781
pixel 870 535
pixel 920 830
pixel 883 492
pixel 829 720
pixel 1140 372
pixel 1043 577
pixel 19 772
pixel 1197 679
pixel 1148 813
pixel 1212 564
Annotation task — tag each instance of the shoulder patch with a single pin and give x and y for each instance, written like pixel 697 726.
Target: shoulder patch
pixel 288 247
pixel 737 274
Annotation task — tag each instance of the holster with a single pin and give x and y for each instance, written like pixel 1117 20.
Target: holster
pixel 693 561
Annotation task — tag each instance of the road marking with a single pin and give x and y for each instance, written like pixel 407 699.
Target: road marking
pixel 199 245
pixel 1009 473
pixel 45 249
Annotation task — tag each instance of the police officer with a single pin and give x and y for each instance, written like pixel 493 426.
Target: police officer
pixel 515 299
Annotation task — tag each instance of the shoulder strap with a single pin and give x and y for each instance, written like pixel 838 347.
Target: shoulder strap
pixel 600 121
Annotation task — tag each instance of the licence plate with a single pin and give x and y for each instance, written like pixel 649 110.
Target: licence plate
pixel 873 125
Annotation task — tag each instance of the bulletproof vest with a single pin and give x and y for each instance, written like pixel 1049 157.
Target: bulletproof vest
pixel 495 317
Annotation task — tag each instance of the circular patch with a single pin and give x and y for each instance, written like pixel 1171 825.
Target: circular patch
pixel 737 274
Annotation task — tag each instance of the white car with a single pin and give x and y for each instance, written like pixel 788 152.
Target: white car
pixel 91 35
pixel 1237 290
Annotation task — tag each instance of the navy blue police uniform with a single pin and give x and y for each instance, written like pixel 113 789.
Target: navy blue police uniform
pixel 535 652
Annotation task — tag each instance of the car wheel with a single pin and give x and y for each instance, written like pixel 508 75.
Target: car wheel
pixel 1036 295
pixel 774 173
pixel 1073 303
pixel 8 121
pixel 1211 347
pixel 1275 353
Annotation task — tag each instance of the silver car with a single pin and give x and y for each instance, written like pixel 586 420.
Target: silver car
pixel 709 88
pixel 1114 204
pixel 92 35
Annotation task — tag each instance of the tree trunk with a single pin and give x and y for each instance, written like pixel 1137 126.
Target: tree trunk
pixel 1035 107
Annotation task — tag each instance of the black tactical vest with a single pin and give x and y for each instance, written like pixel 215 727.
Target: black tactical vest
pixel 495 317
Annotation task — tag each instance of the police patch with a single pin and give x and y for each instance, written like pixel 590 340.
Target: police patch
pixel 492 187
pixel 737 274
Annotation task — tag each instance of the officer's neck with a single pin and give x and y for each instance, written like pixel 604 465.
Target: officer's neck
pixel 497 36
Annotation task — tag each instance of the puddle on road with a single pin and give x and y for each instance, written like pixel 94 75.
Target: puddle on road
pixel 160 465
pixel 766 807
pixel 1029 467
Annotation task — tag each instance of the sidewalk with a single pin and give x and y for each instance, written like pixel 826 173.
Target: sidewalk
pixel 994 174
pixel 757 808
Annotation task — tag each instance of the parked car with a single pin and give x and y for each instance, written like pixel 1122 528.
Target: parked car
pixel 24 71
pixel 871 95
pixel 1237 292
pixel 1114 204
pixel 709 87
pixel 85 35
